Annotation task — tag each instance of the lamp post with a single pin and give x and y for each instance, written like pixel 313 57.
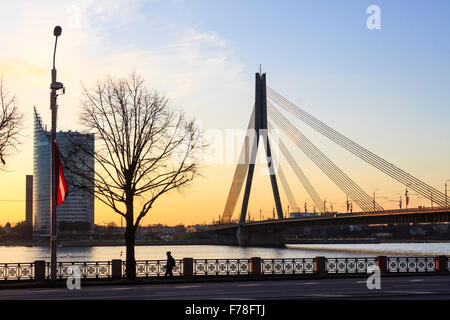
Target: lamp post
pixel 374 201
pixel 55 87
pixel 446 199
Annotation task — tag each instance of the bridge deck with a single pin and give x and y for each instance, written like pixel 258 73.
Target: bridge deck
pixel 400 215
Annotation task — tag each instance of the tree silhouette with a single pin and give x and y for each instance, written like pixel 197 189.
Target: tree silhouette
pixel 10 123
pixel 143 150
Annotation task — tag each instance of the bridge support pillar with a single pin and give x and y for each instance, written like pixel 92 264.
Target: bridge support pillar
pixel 39 270
pixel 259 237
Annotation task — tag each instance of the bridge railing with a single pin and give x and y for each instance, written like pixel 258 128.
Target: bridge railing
pixel 253 267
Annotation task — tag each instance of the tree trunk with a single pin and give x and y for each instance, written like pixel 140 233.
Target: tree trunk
pixel 131 260
pixel 130 238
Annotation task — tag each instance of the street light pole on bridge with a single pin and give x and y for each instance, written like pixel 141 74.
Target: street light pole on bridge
pixel 446 199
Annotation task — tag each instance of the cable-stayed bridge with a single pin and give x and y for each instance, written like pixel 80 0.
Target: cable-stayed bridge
pixel 265 119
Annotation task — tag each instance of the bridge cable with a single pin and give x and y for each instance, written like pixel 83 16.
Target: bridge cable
pixel 302 177
pixel 325 164
pixel 240 173
pixel 284 182
pixel 410 181
pixel 333 174
pixel 356 152
pixel 331 170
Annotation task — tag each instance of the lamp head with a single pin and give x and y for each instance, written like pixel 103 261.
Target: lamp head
pixel 57 31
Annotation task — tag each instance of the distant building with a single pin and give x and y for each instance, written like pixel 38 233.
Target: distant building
pixel 197 228
pixel 79 205
pixel 29 200
pixel 161 231
pixel 29 205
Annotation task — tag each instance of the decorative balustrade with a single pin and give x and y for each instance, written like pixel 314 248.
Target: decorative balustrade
pixel 350 265
pixel 188 267
pixel 222 267
pixel 16 271
pixel 412 264
pixel 87 270
pixel 154 268
pixel 287 266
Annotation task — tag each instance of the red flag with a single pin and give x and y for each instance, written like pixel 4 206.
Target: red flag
pixel 63 191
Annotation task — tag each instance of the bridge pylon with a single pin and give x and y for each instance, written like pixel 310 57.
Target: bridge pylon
pixel 258 126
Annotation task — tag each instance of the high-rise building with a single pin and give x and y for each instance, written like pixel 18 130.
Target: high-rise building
pixel 79 204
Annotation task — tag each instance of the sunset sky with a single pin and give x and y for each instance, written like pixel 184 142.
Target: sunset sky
pixel 387 89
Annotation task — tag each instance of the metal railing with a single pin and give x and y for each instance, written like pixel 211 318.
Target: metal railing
pixel 16 271
pixel 153 268
pixel 88 270
pixel 350 265
pixel 221 267
pixel 40 270
pixel 412 264
pixel 288 266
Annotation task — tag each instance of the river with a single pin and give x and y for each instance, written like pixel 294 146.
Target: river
pixel 9 254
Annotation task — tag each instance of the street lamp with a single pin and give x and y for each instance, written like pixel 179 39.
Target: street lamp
pixel 446 199
pixel 55 87
pixel 374 201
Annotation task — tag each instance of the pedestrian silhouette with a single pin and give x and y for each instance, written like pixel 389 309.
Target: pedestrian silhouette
pixel 169 265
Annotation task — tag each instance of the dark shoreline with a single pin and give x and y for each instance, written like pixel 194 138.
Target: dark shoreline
pixel 111 243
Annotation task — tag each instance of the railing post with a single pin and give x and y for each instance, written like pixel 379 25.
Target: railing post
pixel 39 270
pixel 442 264
pixel 255 267
pixel 116 268
pixel 382 262
pixel 320 265
pixel 188 267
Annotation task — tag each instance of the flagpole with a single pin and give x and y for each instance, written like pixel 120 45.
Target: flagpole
pixel 55 86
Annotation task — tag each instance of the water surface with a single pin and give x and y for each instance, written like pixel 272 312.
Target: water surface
pixel 100 253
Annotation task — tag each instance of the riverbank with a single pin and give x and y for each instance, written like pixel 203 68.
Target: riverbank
pixel 200 242
pixel 114 243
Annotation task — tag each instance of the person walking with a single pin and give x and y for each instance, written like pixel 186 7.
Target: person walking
pixel 169 265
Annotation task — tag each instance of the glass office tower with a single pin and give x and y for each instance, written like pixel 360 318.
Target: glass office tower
pixel 79 205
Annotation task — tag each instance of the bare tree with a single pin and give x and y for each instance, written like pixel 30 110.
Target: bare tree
pixel 10 123
pixel 143 150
